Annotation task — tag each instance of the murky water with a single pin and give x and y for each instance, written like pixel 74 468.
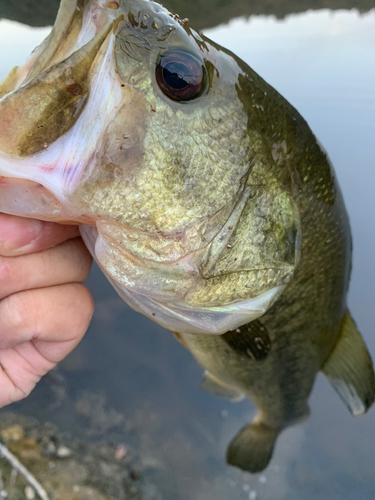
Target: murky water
pixel 131 382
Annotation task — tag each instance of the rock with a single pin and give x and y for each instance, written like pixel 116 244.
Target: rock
pixel 135 474
pixel 121 451
pixel 30 442
pixel 14 433
pixel 26 454
pixel 67 468
pixel 83 493
pixel 50 449
pixel 29 493
pixel 63 452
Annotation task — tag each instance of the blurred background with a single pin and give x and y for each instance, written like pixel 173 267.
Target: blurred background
pixel 129 381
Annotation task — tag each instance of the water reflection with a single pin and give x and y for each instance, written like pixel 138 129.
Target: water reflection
pixel 149 395
pixel 202 13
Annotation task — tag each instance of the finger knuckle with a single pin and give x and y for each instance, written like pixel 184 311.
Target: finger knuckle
pixel 22 314
pixel 12 275
pixel 6 270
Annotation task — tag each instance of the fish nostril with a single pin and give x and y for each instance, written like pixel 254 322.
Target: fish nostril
pixel 75 89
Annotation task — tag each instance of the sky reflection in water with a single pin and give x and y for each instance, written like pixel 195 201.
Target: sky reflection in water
pixel 323 63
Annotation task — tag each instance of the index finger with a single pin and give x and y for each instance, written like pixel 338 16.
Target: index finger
pixel 20 236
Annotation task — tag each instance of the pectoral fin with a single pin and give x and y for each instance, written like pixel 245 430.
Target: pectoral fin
pixel 349 369
pixel 212 384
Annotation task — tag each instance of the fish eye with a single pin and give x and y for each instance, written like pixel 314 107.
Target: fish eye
pixel 180 75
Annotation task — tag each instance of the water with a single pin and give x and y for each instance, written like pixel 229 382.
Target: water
pixel 130 381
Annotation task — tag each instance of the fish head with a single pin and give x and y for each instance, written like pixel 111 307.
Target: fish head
pixel 128 122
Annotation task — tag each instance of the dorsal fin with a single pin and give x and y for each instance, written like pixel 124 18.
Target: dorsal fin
pixel 349 369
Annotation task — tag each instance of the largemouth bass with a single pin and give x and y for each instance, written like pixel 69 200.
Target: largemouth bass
pixel 202 194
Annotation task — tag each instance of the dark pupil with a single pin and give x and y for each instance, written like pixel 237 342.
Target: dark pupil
pixel 176 75
pixel 180 75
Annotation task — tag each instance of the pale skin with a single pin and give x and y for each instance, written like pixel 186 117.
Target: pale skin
pixel 44 308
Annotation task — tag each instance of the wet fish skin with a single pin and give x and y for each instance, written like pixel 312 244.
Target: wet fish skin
pixel 191 224
pixel 193 208
pixel 309 322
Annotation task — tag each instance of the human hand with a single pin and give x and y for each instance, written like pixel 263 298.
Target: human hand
pixel 44 308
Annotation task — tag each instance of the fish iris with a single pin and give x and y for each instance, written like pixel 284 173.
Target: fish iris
pixel 180 75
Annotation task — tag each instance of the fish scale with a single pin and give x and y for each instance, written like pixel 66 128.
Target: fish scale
pixel 204 197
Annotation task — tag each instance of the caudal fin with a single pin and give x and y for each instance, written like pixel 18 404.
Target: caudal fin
pixel 252 448
pixel 349 369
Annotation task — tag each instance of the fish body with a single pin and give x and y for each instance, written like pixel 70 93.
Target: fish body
pixel 162 178
pixel 202 194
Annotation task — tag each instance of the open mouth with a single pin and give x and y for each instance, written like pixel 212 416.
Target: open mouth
pixel 58 163
pixel 160 222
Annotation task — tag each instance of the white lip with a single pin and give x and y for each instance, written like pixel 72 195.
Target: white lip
pixel 211 320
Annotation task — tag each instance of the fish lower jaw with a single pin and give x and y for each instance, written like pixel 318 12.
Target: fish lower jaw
pixel 182 318
pixel 168 306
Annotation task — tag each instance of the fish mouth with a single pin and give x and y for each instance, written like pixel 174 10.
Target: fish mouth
pixel 40 183
pixel 58 180
pixel 58 161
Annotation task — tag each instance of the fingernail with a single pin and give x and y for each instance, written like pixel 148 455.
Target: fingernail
pixel 18 232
